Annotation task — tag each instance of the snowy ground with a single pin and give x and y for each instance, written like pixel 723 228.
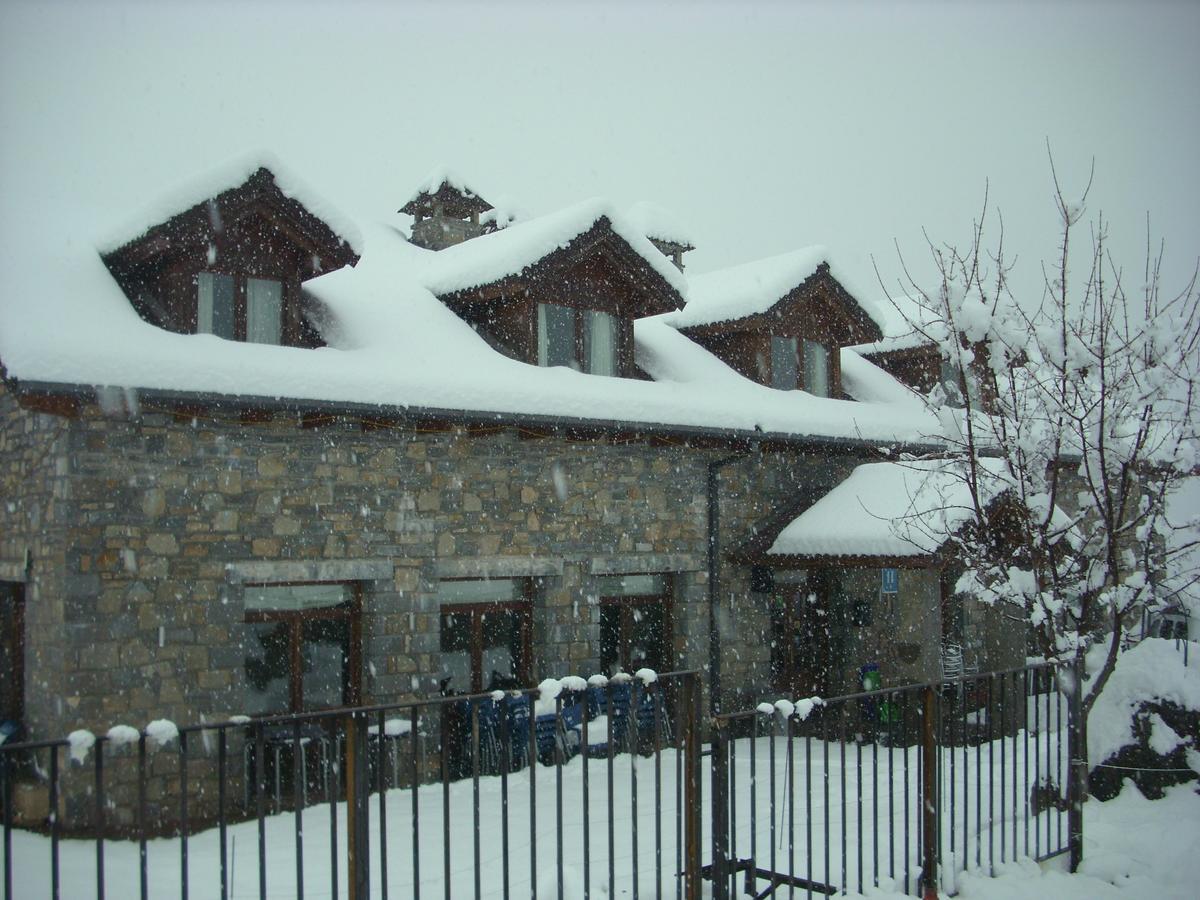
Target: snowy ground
pixel 839 796
pixel 1134 848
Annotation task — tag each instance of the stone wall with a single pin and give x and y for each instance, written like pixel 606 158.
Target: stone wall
pixel 168 517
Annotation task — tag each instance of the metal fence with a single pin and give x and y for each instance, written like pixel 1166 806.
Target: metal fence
pixel 898 788
pixel 494 795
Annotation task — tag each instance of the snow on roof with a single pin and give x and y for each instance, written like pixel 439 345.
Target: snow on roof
pixel 902 318
pixel 492 257
pixel 435 179
pixel 905 509
pixel 65 321
pixel 865 381
pixel 228 175
pixel 657 223
pixel 754 287
pixel 747 289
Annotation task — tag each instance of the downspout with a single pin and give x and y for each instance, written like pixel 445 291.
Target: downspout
pixel 714 577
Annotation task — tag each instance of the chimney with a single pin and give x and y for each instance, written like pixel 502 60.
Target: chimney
pixel 446 212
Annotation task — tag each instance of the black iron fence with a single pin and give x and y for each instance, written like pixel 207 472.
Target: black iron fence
pixel 899 788
pixel 573 788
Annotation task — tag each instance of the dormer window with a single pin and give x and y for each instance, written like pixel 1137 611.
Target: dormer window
pixel 781 337
pixel 571 306
pixel 233 265
pixel 584 339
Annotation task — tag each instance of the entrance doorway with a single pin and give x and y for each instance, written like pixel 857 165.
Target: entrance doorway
pixel 804 635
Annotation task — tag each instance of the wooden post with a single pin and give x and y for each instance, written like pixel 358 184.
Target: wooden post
pixel 720 810
pixel 1077 778
pixel 358 860
pixel 929 818
pixel 691 787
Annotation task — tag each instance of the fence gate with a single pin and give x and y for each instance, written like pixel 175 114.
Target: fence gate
pixel 898 788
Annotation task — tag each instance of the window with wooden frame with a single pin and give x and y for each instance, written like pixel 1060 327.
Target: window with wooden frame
pixel 635 623
pixel 583 339
pixel 12 652
pixel 303 646
pixel 486 633
pixel 239 307
pixel 801 363
pixel 817 375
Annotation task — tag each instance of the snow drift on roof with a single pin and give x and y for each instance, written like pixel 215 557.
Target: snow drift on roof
pixel 889 509
pixel 65 321
pixel 659 224
pixel 493 257
pixel 865 381
pixel 748 289
pixel 231 174
pixel 902 319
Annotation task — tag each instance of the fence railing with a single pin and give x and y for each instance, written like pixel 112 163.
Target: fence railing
pixel 586 787
pixel 899 788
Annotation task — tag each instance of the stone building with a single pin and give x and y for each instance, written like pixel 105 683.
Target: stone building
pixel 256 460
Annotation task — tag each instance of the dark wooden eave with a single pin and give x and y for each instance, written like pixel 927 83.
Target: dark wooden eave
pixel 599 238
pixel 201 223
pixel 805 561
pixel 901 354
pixel 820 283
pixel 67 399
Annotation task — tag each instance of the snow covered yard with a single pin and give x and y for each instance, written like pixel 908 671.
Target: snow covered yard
pixel 1135 848
pixel 856 778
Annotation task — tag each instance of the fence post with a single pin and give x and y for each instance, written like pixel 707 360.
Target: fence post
pixel 1077 788
pixel 929 818
pixel 358 859
pixel 719 800
pixel 691 788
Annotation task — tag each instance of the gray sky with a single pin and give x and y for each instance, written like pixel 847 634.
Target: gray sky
pixel 762 126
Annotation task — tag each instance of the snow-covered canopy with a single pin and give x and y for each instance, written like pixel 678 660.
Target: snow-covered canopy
pixel 904 509
pixel 659 224
pixel 66 324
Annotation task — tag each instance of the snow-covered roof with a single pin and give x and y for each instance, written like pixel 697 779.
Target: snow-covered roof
pixel 903 509
pixel 659 224
pixel 434 181
pixel 754 287
pixel 231 174
pixel 66 324
pixel 905 321
pixel 508 252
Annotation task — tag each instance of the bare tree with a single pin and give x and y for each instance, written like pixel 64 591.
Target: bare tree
pixel 1078 408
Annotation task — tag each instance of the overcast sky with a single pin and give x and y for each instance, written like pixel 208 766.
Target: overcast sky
pixel 762 126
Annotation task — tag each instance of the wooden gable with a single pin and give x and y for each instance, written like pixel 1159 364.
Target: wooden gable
pixel 818 309
pixel 252 230
pixel 597 270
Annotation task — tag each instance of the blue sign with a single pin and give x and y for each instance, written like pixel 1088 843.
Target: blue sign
pixel 891 581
